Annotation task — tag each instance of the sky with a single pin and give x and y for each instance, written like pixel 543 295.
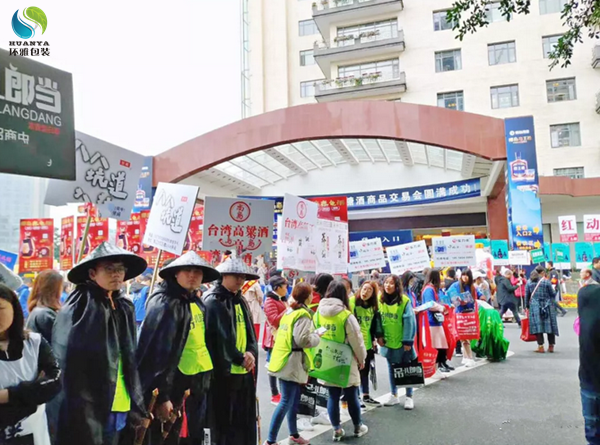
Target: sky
pixel 147 75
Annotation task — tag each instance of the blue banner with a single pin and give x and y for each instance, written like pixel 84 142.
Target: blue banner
pixel 561 253
pixel 584 254
pixel 523 202
pixel 9 259
pixel 388 237
pixel 144 194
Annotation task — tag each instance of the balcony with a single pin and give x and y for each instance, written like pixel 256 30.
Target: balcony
pixel 364 46
pixel 328 12
pixel 368 86
pixel 596 57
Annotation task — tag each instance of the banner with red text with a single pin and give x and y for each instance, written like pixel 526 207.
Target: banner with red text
pixel 567 226
pixel 97 234
pixel 332 208
pixel 67 236
pixel 36 245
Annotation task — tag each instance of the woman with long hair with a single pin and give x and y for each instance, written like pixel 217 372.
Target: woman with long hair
pixel 29 375
pixel 408 280
pixel 431 293
pixel 465 286
pixel 322 282
pixel 365 307
pixel 44 303
pixel 399 330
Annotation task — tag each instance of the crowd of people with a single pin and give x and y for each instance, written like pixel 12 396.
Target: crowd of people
pixel 177 362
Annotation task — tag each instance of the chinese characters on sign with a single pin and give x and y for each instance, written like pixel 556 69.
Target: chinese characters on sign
pixel 143 195
pixel 129 234
pixel 519 258
pixel 591 227
pixel 194 238
pixel 567 226
pixel 67 236
pixel 296 246
pixel 411 256
pixel 366 255
pixel 332 247
pixel 9 259
pixel 36 245
pixel 454 251
pixel 97 234
pixel 332 208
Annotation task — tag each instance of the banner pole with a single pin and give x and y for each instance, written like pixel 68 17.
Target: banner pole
pixel 86 231
pixel 155 273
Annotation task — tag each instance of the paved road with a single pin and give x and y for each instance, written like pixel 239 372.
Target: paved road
pixel 529 399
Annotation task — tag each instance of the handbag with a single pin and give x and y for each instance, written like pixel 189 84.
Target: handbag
pixel 408 375
pixel 427 354
pixel 450 332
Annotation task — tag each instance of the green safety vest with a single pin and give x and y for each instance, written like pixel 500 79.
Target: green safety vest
pixel 336 325
pixel 284 341
pixel 365 320
pixel 391 318
pixel 195 357
pixel 241 339
pixel 122 401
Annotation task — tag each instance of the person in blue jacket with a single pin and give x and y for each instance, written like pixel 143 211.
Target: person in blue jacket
pixel 23 293
pixel 139 292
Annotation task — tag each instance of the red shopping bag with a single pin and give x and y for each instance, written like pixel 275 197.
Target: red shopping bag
pixel 450 332
pixel 427 354
pixel 525 334
pixel 467 325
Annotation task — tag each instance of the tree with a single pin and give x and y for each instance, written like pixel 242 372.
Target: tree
pixel 580 17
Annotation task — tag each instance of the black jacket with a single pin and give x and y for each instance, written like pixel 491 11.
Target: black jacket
pixel 588 305
pixel 505 293
pixel 162 339
pixel 41 320
pixel 221 330
pixel 90 334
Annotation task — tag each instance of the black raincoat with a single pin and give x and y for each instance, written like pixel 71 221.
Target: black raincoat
pixel 232 397
pixel 91 332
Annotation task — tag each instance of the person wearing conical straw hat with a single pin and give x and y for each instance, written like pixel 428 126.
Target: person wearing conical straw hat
pixel 233 348
pixel 172 355
pixel 94 340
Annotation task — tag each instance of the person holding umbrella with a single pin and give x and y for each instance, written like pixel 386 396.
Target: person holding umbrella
pixel 172 355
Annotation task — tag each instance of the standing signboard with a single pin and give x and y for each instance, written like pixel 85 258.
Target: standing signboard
pixel 561 256
pixel 454 251
pixel 37 129
pixel 129 234
pixel 36 245
pixel 538 256
pixel 411 256
pixel 332 247
pixel 584 254
pixel 499 250
pixel 97 234
pixel 366 255
pixel 295 244
pixel 519 258
pixel 591 227
pixel 170 217
pixel 107 176
pixel 67 236
pixel 567 226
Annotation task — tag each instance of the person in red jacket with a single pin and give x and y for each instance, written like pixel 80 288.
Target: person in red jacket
pixel 274 308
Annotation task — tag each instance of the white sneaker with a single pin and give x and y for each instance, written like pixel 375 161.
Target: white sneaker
pixel 361 431
pixel 470 363
pixel 304 424
pixel 464 361
pixel 392 401
pixel 321 419
pixel 439 375
pixel 409 403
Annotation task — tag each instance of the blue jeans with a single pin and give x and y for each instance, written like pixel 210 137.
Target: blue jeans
pixel 590 402
pixel 333 405
pixel 290 398
pixel 409 391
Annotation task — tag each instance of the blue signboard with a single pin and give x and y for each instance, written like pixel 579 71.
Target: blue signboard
pixel 145 192
pixel 523 202
pixel 9 259
pixel 584 254
pixel 499 250
pixel 388 237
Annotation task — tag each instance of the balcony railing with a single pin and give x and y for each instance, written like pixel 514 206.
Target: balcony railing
pixel 323 5
pixel 596 56
pixel 371 84
pixel 341 43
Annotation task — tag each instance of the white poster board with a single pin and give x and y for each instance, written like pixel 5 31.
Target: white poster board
pixel 240 225
pixel 106 175
pixel 454 251
pixel 591 227
pixel 170 217
pixel 410 256
pixel 332 247
pixel 366 255
pixel 296 248
pixel 519 258
pixel 567 227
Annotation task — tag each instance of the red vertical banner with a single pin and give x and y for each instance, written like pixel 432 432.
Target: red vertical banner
pixel 129 234
pixel 332 208
pixel 97 234
pixel 67 235
pixel 36 245
pixel 194 237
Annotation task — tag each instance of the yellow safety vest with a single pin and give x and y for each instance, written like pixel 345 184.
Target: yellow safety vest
pixel 195 357
pixel 122 401
pixel 365 320
pixel 391 319
pixel 336 325
pixel 284 341
pixel 241 339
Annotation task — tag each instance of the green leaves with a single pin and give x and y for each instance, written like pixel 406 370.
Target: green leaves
pixel 38 16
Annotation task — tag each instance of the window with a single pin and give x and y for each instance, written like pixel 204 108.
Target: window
pixel 500 53
pixel 571 172
pixel 551 6
pixel 548 43
pixel 447 61
pixel 561 89
pixel 307 89
pixel 505 96
pixel 388 69
pixel 307 28
pixel 452 101
pixel 307 57
pixel 565 135
pixel 386 29
pixel 493 13
pixel 440 23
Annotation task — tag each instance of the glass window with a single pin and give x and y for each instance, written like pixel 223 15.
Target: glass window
pixel 493 13
pixel 565 135
pixel 387 69
pixel 440 23
pixel 505 96
pixel 561 89
pixel 307 57
pixel 307 28
pixel 500 53
pixel 448 61
pixel 453 100
pixel 307 89
pixel 367 32
pixel 551 6
pixel 548 43
pixel 572 172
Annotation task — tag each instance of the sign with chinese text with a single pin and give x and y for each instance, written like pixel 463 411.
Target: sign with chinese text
pixel 332 362
pixel 9 259
pixel 36 245
pixel 584 254
pixel 522 195
pixel 149 253
pixel 388 237
pixel 567 226
pixel 519 258
pixel 332 247
pixel 129 234
pixel 561 254
pixel 499 250
pixel 411 256
pixel 241 225
pixel 194 238
pixel 170 217
pixel 37 130
pixel 538 256
pixel 454 251
pixel 97 234
pixel 67 238
pixel 366 255
pixel 467 324
pixel 143 196
pixel 332 208
pixel 296 246
pixel 591 227
pixel 107 176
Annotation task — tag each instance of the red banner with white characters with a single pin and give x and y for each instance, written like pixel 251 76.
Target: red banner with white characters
pixel 129 234
pixel 194 236
pixel 67 235
pixel 97 234
pixel 36 245
pixel 332 209
pixel 150 254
